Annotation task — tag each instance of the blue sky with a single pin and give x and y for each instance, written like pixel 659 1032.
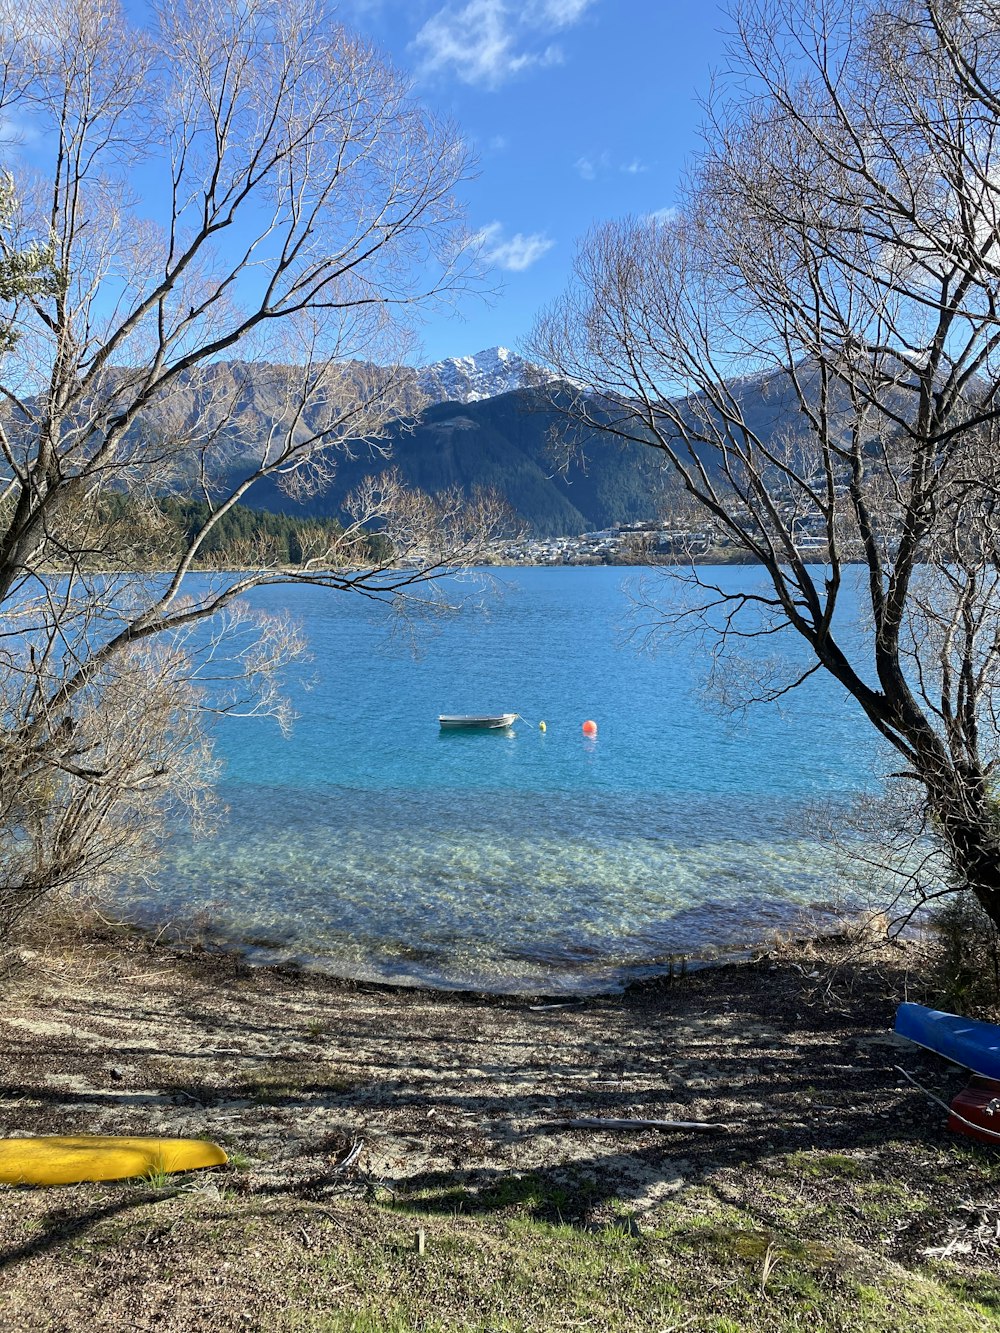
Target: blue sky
pixel 578 110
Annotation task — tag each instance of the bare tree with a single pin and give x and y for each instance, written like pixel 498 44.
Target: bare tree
pixel 237 178
pixel 837 255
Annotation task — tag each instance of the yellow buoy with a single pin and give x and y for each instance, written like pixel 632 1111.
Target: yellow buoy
pixel 541 726
pixel 57 1160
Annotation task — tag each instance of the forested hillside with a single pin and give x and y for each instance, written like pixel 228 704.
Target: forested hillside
pixel 150 535
pixel 245 534
pixel 513 444
pixel 559 480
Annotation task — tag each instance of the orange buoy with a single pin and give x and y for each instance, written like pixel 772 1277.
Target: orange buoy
pixel 590 728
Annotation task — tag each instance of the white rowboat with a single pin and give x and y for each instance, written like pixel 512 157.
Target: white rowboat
pixel 476 721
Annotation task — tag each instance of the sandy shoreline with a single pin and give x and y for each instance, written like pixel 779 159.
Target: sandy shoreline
pixel 144 1039
pixel 451 1097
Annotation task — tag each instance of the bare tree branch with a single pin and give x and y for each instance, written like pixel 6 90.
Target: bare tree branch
pixel 298 212
pixel 837 249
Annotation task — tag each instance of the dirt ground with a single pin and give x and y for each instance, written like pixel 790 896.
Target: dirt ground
pixel 327 1094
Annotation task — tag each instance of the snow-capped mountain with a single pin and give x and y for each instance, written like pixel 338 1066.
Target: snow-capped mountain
pixel 471 379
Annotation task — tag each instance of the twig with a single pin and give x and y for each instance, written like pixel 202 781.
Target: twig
pixel 596 1122
pixel 351 1157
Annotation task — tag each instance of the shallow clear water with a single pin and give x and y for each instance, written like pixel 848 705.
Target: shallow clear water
pixel 376 845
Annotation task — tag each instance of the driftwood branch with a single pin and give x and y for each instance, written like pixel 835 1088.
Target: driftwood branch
pixel 597 1122
pixel 348 1160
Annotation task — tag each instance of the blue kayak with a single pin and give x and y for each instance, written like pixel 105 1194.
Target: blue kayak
pixel 964 1041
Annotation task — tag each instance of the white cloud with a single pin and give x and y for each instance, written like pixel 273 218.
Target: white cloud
pixel 487 42
pixel 499 143
pixel 592 165
pixel 516 253
pixel 662 215
pixel 561 13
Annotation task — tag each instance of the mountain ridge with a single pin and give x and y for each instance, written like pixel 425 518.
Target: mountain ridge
pixel 490 420
pixel 466 435
pixel 504 444
pixel 484 374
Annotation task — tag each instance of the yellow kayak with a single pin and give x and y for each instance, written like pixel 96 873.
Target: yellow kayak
pixel 65 1161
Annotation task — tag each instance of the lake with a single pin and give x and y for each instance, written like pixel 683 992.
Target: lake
pixel 374 845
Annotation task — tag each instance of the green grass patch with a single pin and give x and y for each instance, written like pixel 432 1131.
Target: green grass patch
pixel 823 1165
pixel 522 1275
pixel 554 1196
pixel 509 1263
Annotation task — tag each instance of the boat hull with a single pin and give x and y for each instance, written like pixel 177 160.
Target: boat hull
pixel 475 722
pixel 61 1160
pixel 964 1041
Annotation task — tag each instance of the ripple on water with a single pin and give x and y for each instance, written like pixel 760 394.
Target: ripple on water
pixel 487 908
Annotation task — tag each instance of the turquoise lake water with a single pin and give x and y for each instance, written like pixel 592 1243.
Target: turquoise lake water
pixel 374 845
